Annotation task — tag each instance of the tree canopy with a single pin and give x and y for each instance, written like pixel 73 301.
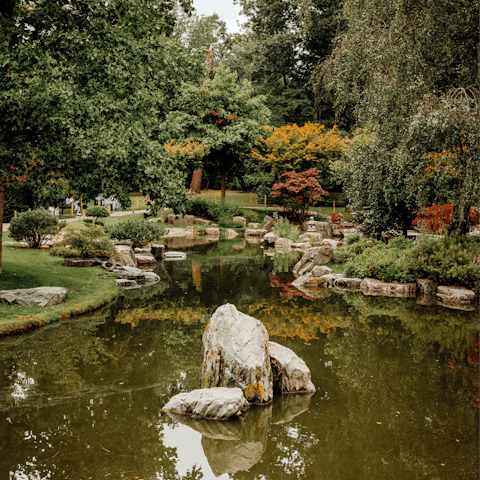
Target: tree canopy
pixel 223 114
pixel 410 70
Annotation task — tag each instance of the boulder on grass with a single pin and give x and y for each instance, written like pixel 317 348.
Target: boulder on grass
pixel 235 354
pixel 290 372
pixel 37 297
pixel 81 262
pixel 210 403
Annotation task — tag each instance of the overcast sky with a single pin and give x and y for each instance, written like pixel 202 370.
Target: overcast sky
pixel 225 9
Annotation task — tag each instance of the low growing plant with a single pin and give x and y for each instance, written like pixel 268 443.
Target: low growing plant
pixel 283 228
pixel 97 212
pixel 88 242
pixel 34 227
pixel 140 232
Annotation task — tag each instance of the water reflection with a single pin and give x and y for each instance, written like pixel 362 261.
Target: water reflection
pixel 397 384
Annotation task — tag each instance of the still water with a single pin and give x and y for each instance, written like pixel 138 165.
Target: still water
pixel 397 383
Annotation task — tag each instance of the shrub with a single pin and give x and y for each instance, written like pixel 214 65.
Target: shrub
pixel 434 219
pixel 250 215
pixel 336 218
pixel 349 251
pixel 283 228
pixel 140 232
pixel 381 261
pixel 351 239
pixel 34 227
pixel 221 212
pixel 299 191
pixel 449 260
pixel 97 212
pixel 89 242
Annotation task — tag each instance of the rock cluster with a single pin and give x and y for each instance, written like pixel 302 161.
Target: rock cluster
pixel 237 355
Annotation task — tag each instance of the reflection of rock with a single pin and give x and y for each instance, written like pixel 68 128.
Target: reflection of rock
pixel 229 430
pixel 455 297
pixel 287 407
pixel 230 456
pixel 290 372
pixel 211 403
pixel 314 292
pixel 235 354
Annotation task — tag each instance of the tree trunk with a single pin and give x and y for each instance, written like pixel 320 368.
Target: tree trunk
pixel 3 192
pixel 224 185
pixel 196 183
pixel 162 214
pixel 460 215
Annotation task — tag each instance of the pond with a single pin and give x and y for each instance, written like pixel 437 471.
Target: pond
pixel 397 383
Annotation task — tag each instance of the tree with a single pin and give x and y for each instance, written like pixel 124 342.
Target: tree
pixel 403 66
pixel 297 148
pixel 299 191
pixel 86 98
pixel 279 52
pixel 222 114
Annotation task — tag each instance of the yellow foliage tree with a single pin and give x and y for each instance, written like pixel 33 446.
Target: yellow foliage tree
pixel 298 148
pixel 187 152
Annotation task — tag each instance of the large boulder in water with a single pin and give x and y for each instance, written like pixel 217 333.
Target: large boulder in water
pixel 290 372
pixel 235 354
pixel 210 403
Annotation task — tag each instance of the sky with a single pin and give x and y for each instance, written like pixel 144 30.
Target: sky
pixel 226 10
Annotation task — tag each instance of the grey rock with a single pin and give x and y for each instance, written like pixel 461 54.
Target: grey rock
pixel 125 255
pixel 270 238
pixel 290 372
pixel 213 232
pixel 454 296
pixel 81 262
pixel 145 259
pixel 269 225
pixel 313 256
pixel 211 403
pixel 370 286
pixel 202 221
pixel 426 286
pixel 255 233
pixel 324 229
pixel 189 220
pixel 235 354
pixel 241 220
pixel 158 250
pixel 147 250
pixel 320 270
pixel 348 283
pixel 150 278
pixel 39 297
pixel 332 277
pixel 253 225
pixel 283 243
pixel 230 233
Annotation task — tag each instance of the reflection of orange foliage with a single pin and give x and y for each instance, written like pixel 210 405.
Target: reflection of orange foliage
pixel 185 315
pixel 288 291
pixel 197 275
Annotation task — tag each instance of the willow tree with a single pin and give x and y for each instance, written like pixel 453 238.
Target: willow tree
pixel 402 64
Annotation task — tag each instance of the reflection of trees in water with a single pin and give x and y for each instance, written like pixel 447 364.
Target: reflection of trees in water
pixel 75 390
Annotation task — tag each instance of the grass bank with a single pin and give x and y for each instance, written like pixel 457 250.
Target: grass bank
pixel 88 288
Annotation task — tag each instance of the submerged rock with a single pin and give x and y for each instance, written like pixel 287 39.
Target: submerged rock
pixel 38 297
pixel 290 372
pixel 210 403
pixel 235 354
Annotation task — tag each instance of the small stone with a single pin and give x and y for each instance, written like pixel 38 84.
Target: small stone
pixel 145 259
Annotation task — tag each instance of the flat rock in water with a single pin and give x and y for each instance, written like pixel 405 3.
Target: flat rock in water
pixel 81 262
pixel 348 283
pixel 290 372
pixel 145 259
pixel 209 403
pixel 455 296
pixel 371 286
pixel 235 354
pixel 38 297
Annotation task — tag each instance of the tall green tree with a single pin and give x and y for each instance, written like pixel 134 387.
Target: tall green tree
pixel 85 86
pixel 282 45
pixel 407 67
pixel 224 115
